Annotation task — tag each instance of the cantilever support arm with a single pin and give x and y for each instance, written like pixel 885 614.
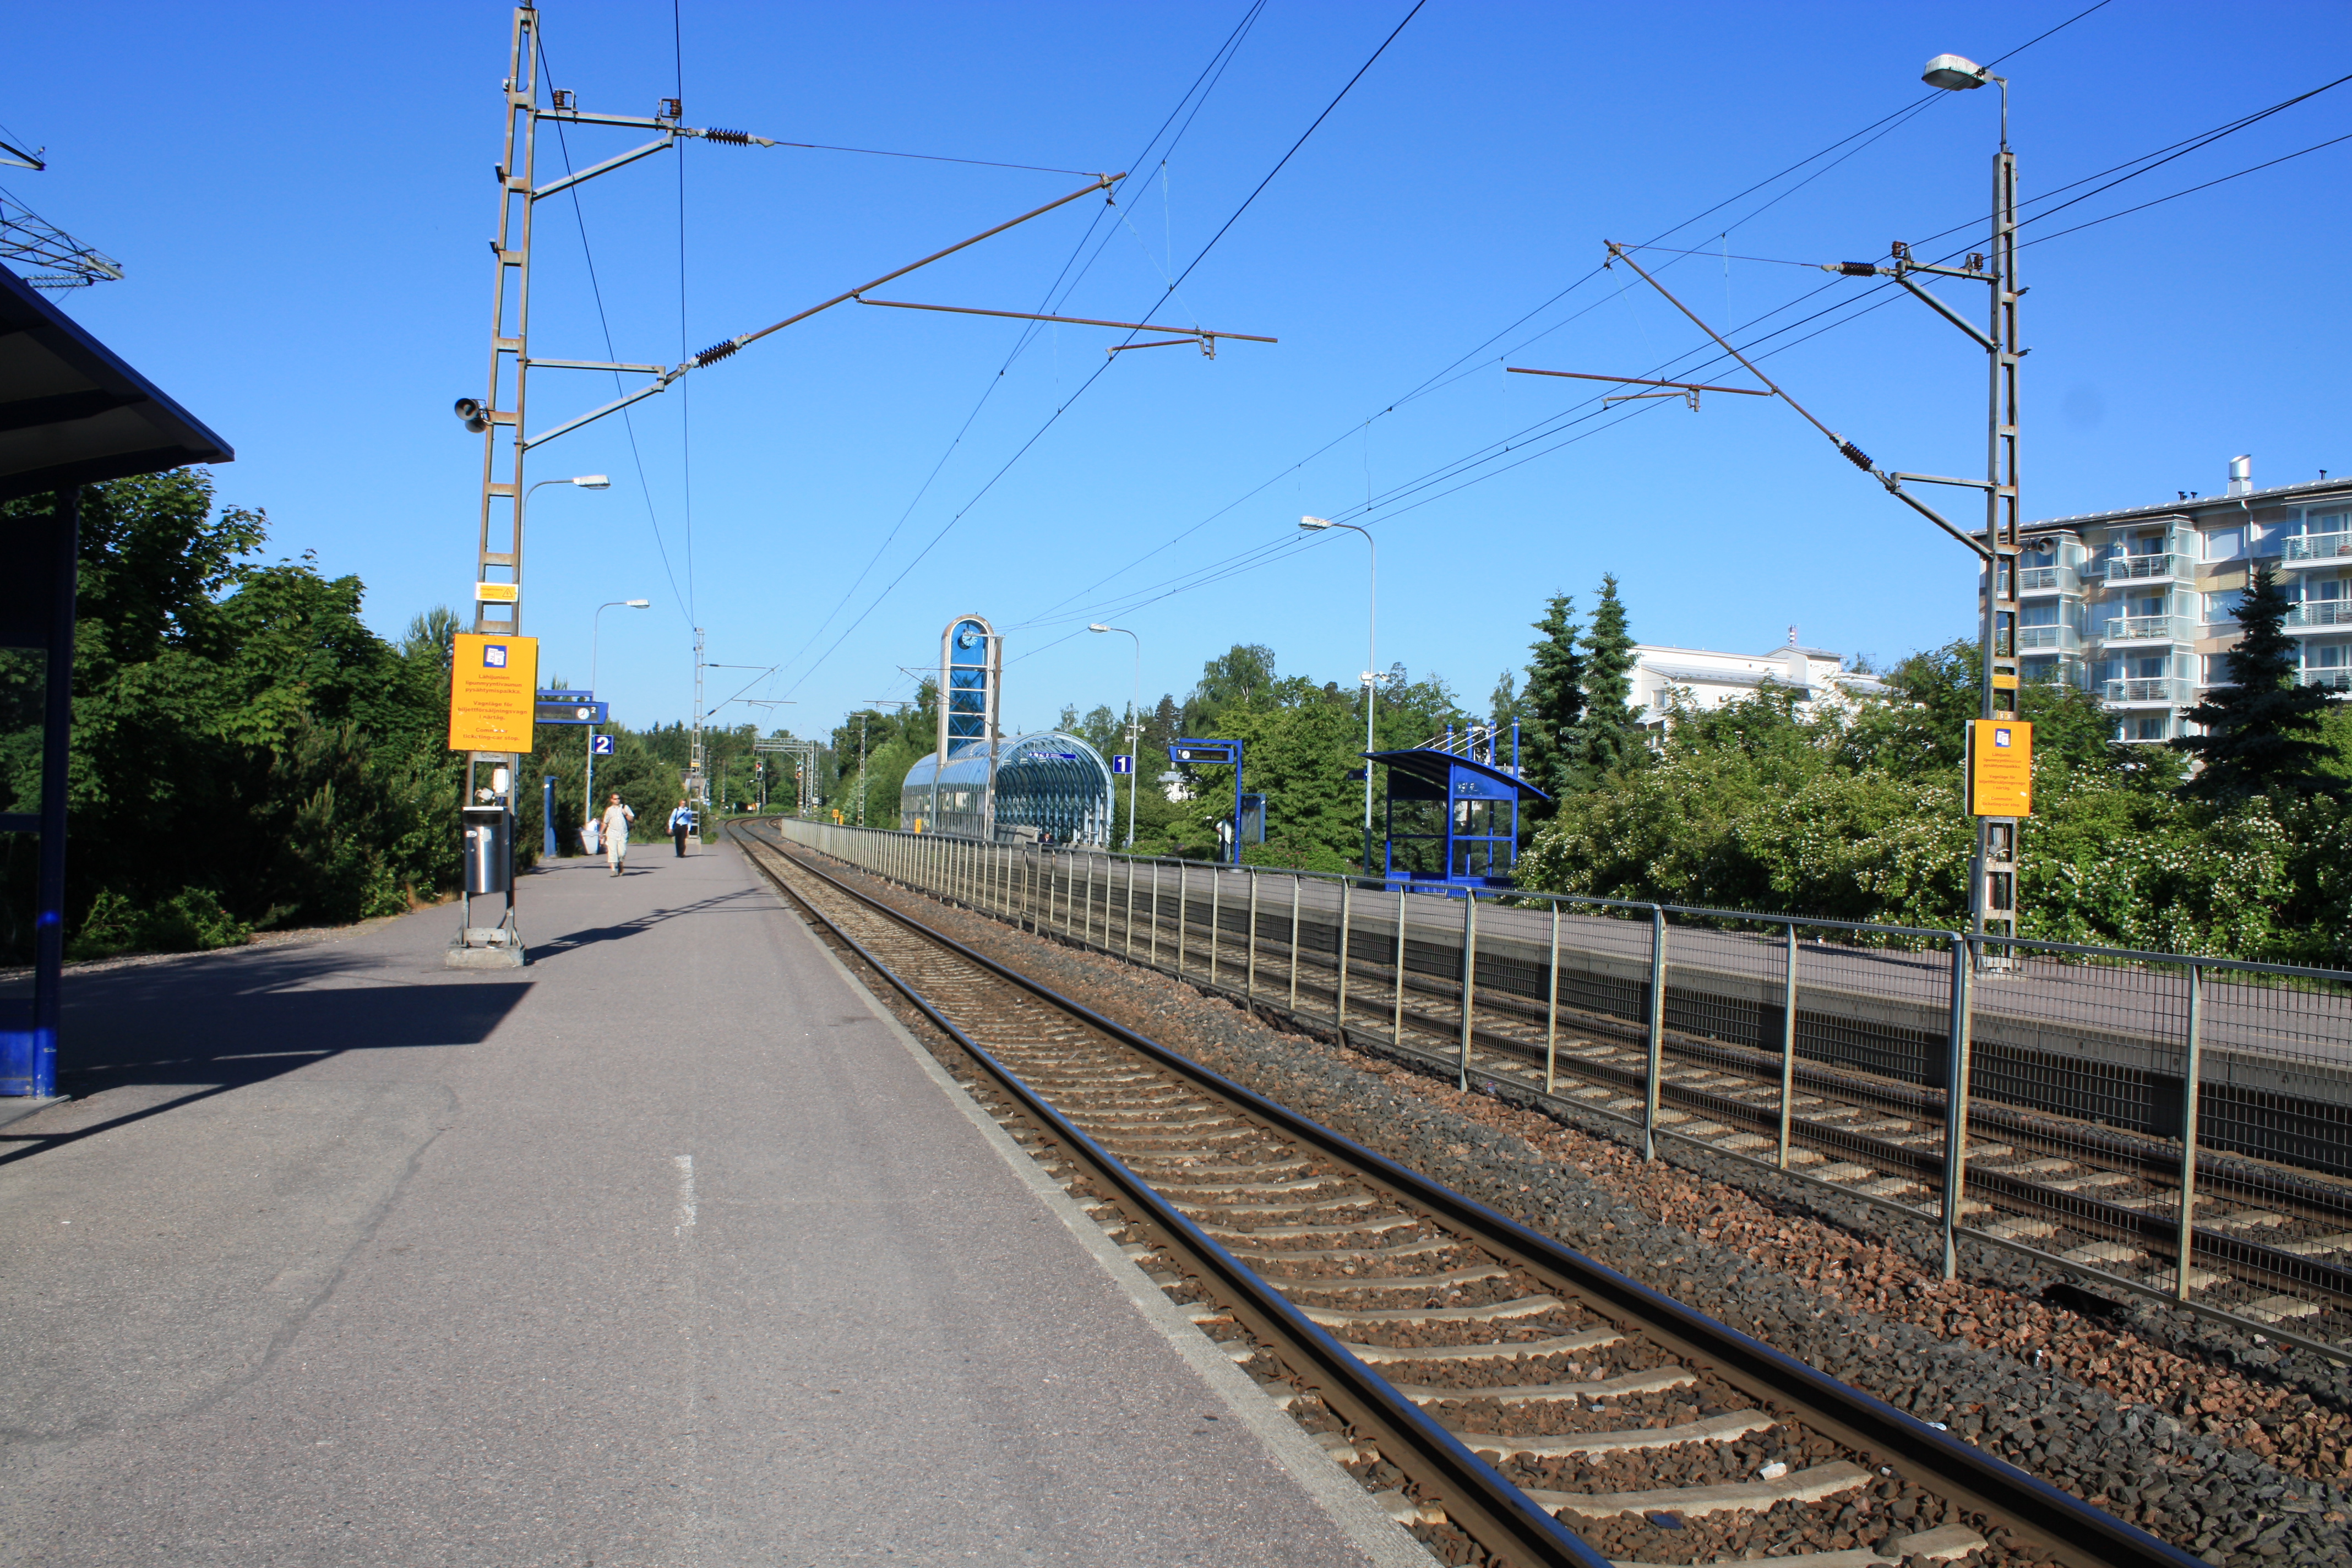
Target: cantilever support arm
pixel 1190 332
pixel 606 167
pixel 1949 314
pixel 1846 449
pixel 718 351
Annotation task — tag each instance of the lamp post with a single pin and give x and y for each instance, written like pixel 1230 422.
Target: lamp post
pixel 1371 660
pixel 1992 893
pixel 596 642
pixel 1134 731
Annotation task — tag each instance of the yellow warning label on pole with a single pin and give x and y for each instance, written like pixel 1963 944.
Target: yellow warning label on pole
pixel 493 692
pixel 2001 767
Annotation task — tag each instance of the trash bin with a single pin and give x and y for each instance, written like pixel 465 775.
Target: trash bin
pixel 489 854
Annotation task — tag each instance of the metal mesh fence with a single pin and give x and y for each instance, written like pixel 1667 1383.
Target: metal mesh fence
pixel 2100 1095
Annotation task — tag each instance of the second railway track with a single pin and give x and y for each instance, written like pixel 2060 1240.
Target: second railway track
pixel 1505 1398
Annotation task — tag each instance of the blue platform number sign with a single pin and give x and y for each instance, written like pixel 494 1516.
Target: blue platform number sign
pixel 1122 763
pixel 600 745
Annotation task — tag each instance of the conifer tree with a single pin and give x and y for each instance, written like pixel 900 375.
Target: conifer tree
pixel 1553 701
pixel 2262 731
pixel 1606 737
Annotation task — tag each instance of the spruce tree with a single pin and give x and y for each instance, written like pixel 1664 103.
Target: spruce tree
pixel 1606 738
pixel 1553 701
pixel 2261 732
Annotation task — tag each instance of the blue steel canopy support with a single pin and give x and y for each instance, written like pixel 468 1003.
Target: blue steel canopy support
pixel 28 1030
pixel 1455 778
pixel 1217 752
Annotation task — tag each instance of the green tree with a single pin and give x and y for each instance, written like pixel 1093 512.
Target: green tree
pixel 2263 732
pixel 1606 736
pixel 1554 700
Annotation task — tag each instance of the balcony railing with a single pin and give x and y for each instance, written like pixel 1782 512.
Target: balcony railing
pixel 2321 613
pixel 2333 679
pixel 2048 580
pixel 2048 639
pixel 2164 688
pixel 2141 568
pixel 2317 547
pixel 2147 628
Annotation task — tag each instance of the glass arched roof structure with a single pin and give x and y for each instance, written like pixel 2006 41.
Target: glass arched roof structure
pixel 1052 782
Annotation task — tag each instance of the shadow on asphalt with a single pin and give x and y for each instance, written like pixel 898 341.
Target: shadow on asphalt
pixel 225 1022
pixel 588 935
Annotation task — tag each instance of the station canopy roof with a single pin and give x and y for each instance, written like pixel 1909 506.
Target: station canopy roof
pixel 72 412
pixel 1437 771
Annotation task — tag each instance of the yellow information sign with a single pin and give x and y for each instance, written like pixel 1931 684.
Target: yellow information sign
pixel 2001 767
pixel 493 692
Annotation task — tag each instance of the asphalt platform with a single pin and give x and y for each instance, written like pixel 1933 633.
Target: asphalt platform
pixel 667 1249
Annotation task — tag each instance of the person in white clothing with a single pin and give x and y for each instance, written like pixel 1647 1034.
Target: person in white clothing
pixel 617 821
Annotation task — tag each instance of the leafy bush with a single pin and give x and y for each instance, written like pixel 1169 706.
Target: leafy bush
pixel 191 921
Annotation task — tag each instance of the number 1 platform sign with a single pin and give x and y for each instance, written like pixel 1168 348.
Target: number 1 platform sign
pixel 493 692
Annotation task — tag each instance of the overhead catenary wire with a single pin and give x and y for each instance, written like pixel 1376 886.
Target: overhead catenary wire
pixel 628 423
pixel 1099 371
pixel 1196 95
pixel 1473 360
pixel 685 393
pixel 1846 310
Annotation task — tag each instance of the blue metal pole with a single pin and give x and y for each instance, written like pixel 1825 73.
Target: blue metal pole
pixel 547 816
pixel 1237 803
pixel 56 734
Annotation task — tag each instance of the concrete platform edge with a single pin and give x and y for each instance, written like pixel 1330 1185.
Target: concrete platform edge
pixel 1363 1522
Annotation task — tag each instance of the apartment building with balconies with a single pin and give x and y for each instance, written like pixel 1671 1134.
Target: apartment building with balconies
pixel 2137 605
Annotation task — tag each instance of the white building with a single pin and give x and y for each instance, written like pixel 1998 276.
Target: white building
pixel 1707 679
pixel 2136 604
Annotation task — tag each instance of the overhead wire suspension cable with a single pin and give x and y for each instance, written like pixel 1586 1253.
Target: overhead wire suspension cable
pixel 1098 373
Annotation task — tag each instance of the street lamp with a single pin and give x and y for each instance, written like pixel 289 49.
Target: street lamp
pixel 584 481
pixel 1372 661
pixel 1134 731
pixel 595 636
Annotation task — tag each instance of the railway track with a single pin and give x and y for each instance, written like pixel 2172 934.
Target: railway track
pixel 2271 1246
pixel 1505 1397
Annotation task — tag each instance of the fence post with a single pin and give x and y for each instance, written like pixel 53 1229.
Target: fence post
pixel 1154 941
pixel 1396 1022
pixel 1183 900
pixel 1787 1039
pixel 1657 1032
pixel 1339 993
pixel 1216 923
pixel 1295 882
pixel 1127 922
pixel 1551 1008
pixel 1956 1101
pixel 2192 1081
pixel 1249 952
pixel 1469 977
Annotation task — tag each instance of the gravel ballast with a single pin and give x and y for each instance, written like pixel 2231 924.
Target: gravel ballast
pixel 2234 1449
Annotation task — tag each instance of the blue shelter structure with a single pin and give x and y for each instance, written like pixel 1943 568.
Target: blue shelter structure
pixel 1047 785
pixel 1461 812
pixel 72 412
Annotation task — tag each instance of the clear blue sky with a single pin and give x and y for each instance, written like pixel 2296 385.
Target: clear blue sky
pixel 301 197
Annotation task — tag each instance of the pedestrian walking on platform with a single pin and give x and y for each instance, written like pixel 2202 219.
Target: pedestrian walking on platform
pixel 681 823
pixel 617 818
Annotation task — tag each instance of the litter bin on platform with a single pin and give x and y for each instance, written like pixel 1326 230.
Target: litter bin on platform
pixel 489 849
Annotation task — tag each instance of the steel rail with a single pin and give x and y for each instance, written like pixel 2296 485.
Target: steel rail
pixel 2065 1527
pixel 1492 1510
